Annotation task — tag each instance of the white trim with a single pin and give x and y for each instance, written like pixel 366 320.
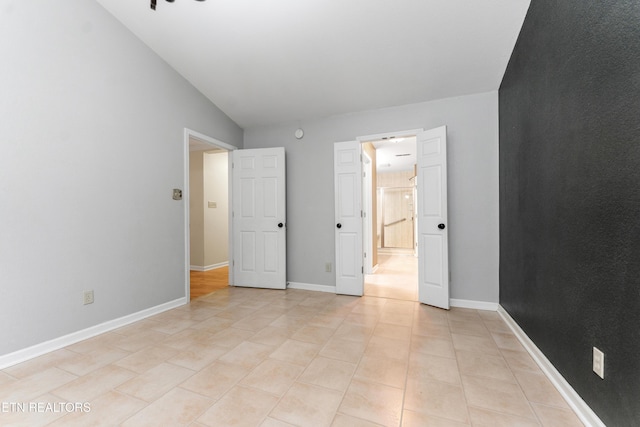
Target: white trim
pixel 209 267
pixel 74 337
pixel 477 305
pixel 582 410
pixel 311 287
pixel 374 137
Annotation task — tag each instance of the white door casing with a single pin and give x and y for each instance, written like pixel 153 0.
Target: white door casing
pixel 433 252
pixel 259 218
pixel 348 217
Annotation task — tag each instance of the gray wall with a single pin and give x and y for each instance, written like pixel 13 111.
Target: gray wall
pixel 570 195
pixel 91 146
pixel 472 123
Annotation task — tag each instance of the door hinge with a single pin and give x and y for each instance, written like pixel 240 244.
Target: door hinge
pixel 365 254
pixel 361 214
pixel 233 165
pixel 362 269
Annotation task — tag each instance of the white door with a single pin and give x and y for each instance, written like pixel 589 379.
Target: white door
pixel 433 252
pixel 347 168
pixel 259 218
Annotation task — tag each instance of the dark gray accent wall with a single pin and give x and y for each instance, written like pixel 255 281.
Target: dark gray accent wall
pixel 570 195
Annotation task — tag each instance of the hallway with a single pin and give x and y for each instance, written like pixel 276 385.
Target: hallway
pixel 396 276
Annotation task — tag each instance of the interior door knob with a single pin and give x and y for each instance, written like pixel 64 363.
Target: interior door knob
pixel 339 225
pixel 280 225
pixel 441 226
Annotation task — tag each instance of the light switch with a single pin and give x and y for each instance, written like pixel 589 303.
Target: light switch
pixel 213 205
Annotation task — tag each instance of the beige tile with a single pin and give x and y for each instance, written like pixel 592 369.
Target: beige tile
pixel 484 345
pixel 417 419
pixel 489 315
pixel 468 328
pixel 313 334
pixel 272 376
pixel 367 320
pixel 35 385
pixel 289 322
pixel 296 352
pixel 213 325
pixel 87 362
pixel 214 380
pixel 253 323
pixel 387 348
pixel 176 408
pixel 433 346
pixel 197 356
pixel 520 360
pixel 173 326
pixel 307 405
pixel 495 395
pixel 427 315
pixel 479 365
pixel 40 363
pixel 247 354
pixel 136 327
pixel 327 321
pixel 231 337
pixel 241 406
pixel 271 335
pixel 391 372
pixel 537 388
pixel 147 358
pixel 377 403
pixel 497 326
pixel 155 382
pixel 387 330
pixel 107 410
pixel 484 418
pixel 99 342
pixel 395 318
pixel 463 314
pixel 400 307
pixel 424 367
pixel 556 417
pixel 94 384
pixel 507 341
pixel 329 373
pixel 340 349
pixel 354 332
pixel 188 337
pixel 140 340
pixel 432 330
pixel 342 420
pixel 272 422
pixel 436 398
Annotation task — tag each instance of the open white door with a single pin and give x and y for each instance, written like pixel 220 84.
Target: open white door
pixel 259 218
pixel 347 164
pixel 433 249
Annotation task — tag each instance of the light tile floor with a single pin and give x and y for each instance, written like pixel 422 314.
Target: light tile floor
pixel 396 277
pixel 252 357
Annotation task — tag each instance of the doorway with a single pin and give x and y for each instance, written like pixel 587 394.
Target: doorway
pixel 395 274
pixel 207 194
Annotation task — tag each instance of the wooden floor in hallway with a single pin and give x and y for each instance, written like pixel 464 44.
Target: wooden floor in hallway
pixel 205 282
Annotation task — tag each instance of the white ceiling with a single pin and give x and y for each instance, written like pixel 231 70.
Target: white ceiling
pixel 395 155
pixel 265 62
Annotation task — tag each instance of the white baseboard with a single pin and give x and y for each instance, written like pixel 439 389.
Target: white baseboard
pixel 208 267
pixel 72 338
pixel 477 305
pixel 311 287
pixel 584 412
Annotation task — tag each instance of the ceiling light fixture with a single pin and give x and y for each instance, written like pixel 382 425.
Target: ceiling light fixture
pixel 154 2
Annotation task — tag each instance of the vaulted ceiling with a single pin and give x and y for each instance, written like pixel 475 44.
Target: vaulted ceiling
pixel 265 62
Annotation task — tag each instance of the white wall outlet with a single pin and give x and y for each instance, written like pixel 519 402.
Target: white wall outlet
pixel 327 267
pixel 598 362
pixel 213 204
pixel 88 297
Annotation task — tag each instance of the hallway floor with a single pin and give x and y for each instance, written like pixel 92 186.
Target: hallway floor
pixel 396 277
pixel 252 357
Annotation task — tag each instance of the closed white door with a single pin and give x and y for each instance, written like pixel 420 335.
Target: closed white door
pixel 259 218
pixel 433 252
pixel 348 218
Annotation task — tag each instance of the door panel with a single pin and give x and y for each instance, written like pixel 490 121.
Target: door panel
pixel 348 218
pixel 259 206
pixel 433 252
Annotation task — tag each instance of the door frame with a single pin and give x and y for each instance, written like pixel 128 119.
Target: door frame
pixel 367 209
pixel 215 143
pixel 385 135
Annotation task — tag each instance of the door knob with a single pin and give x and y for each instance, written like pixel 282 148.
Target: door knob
pixel 339 225
pixel 441 226
pixel 280 225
